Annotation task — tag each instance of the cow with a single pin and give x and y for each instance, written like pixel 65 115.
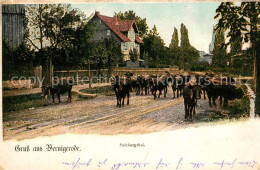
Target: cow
pixel 190 95
pixel 178 84
pixel 159 84
pixel 58 87
pixel 223 89
pixel 122 86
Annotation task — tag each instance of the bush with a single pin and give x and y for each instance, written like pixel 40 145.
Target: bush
pixel 104 90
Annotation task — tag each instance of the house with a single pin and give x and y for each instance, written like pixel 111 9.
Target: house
pixel 123 31
pixel 204 57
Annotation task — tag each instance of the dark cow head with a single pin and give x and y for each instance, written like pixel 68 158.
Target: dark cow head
pixel 197 91
pixel 233 92
pixel 45 90
pixel 239 93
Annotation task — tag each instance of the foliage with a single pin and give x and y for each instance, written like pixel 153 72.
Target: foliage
pixel 155 53
pixel 106 54
pixel 20 102
pixel 243 22
pixel 188 54
pixel 141 23
pixel 104 90
pixel 53 32
pixel 17 62
pixel 12 103
pixel 185 42
pixel 220 58
pixel 175 40
pixel 134 55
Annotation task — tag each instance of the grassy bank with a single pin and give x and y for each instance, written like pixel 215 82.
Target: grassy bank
pixel 104 90
pixel 238 108
pixel 15 103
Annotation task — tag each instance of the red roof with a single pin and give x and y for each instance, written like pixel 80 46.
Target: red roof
pixel 138 40
pixel 119 26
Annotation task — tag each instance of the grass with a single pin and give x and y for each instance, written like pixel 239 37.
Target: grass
pixel 104 90
pixel 238 108
pixel 15 103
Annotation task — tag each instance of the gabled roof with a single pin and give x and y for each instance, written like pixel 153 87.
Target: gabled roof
pixel 119 26
pixel 126 25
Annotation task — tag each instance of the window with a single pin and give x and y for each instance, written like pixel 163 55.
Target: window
pixel 108 33
pixel 124 46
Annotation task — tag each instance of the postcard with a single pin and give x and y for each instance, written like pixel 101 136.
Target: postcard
pixel 130 85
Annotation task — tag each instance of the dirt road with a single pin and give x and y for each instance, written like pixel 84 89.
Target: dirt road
pixel 101 116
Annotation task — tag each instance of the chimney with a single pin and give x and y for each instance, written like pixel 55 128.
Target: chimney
pixel 97 13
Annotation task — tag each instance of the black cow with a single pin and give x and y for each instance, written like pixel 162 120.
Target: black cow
pixel 223 90
pixel 203 81
pixel 58 87
pixel 158 84
pixel 190 95
pixel 122 86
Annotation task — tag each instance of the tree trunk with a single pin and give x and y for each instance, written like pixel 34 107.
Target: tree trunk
pixel 257 68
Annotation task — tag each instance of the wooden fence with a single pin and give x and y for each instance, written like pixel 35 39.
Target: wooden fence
pixel 82 76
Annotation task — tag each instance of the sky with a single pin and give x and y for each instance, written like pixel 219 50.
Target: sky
pixel 197 17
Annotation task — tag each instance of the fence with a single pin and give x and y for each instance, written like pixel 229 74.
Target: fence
pixel 80 75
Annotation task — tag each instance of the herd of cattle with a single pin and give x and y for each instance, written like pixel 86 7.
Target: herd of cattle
pixel 191 87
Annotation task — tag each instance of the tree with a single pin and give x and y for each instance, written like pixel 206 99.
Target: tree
pixel 141 23
pixel 175 40
pixel 52 30
pixel 185 42
pixel 134 55
pixel 174 49
pixel 107 54
pixel 154 31
pixel 243 21
pixel 154 49
pixel 220 58
pixel 188 54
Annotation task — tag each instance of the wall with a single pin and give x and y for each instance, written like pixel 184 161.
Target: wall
pixel 13 25
pixel 101 30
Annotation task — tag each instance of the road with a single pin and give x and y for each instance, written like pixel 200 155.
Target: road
pixel 101 116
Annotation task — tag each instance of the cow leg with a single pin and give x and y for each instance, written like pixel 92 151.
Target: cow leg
pixel 58 94
pixel 154 94
pixel 120 100
pixel 186 109
pixel 225 101
pixel 173 92
pixel 214 101
pixel 177 93
pixel 220 100
pixel 52 95
pixel 160 92
pixel 165 91
pixel 189 111
pixel 117 101
pixel 128 95
pixel 142 89
pixel 123 102
pixel 210 105
pixel 69 96
pixel 204 91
